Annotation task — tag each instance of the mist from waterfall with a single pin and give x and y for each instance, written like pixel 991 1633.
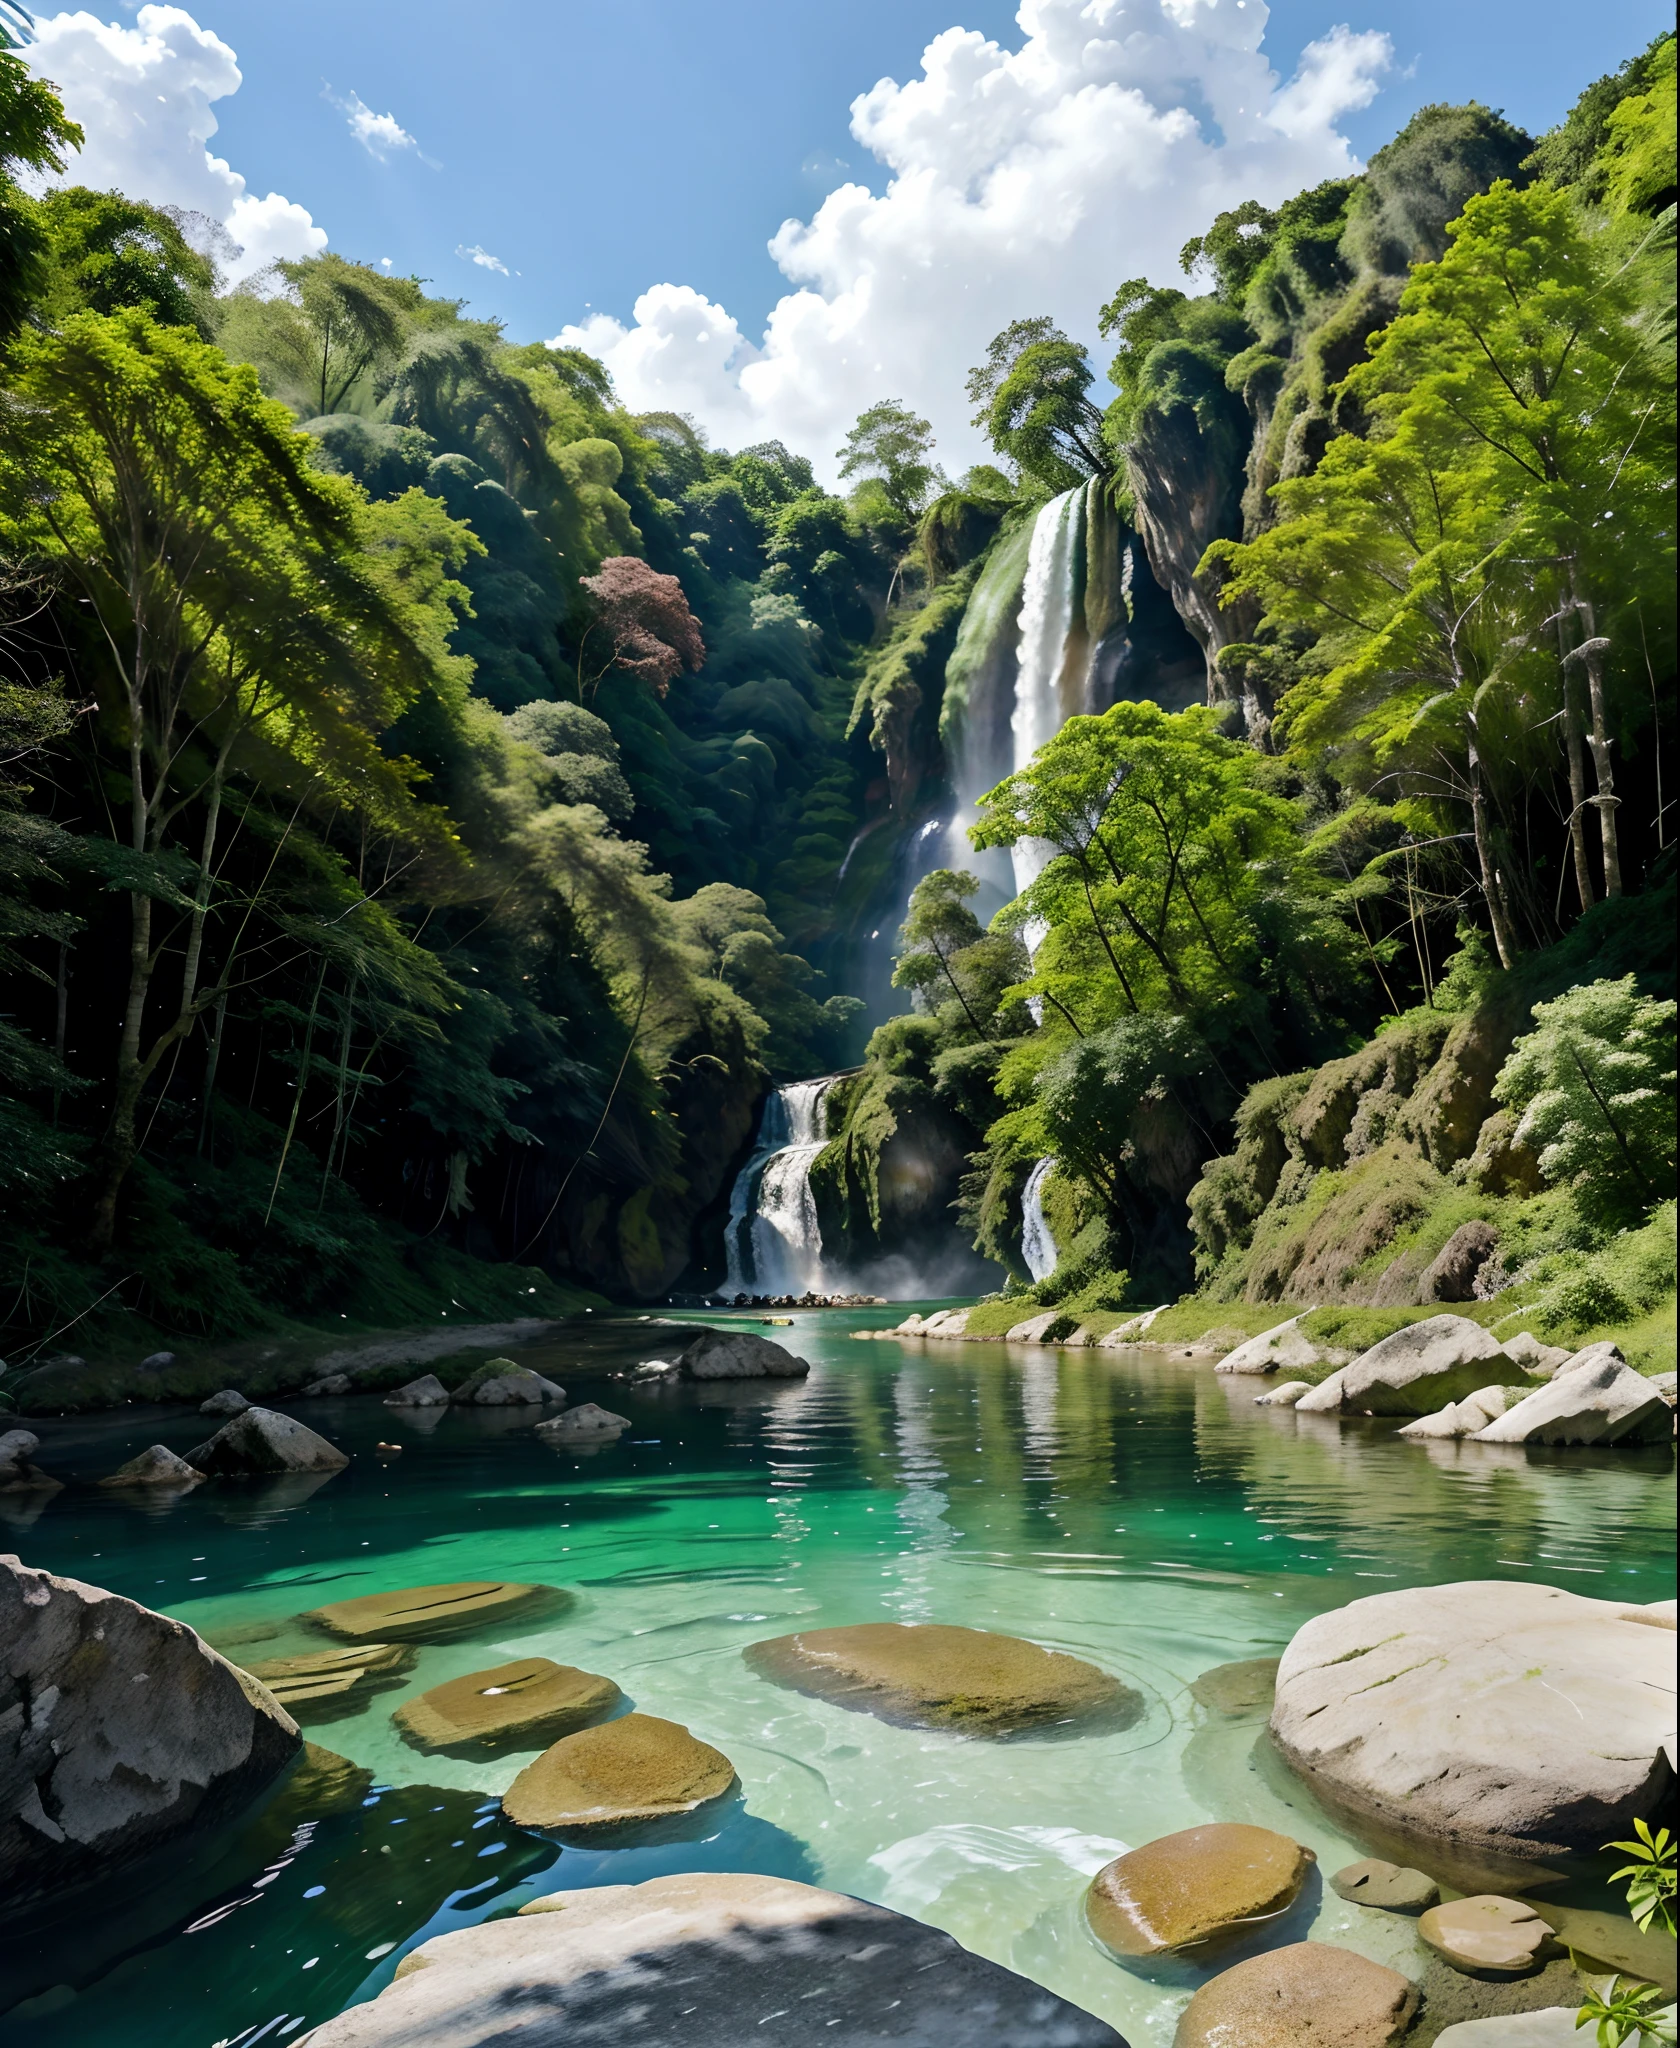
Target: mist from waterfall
pixel 1038 1247
pixel 772 1241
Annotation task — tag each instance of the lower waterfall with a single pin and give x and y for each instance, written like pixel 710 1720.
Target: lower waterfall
pixel 1038 1247
pixel 772 1240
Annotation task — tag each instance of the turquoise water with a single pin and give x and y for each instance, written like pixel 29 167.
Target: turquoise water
pixel 1136 1510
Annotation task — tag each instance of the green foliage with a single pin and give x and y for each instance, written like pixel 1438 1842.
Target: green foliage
pixel 109 252
pixel 1422 180
pixel 1650 1877
pixel 1573 153
pixel 35 135
pixel 1040 418
pixel 1627 2012
pixel 889 442
pixel 1594 1085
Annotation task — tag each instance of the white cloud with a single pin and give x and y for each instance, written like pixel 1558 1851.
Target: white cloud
pixel 143 96
pixel 482 257
pixel 381 135
pixel 1022 181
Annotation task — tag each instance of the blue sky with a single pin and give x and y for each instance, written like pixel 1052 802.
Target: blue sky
pixel 597 151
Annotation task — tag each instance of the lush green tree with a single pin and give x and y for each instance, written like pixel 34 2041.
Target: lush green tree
pixel 1593 1085
pixel 35 135
pixel 108 252
pixel 1040 417
pixel 330 326
pixel 888 442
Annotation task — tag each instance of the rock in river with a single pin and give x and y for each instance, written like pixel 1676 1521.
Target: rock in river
pixel 510 1706
pixel 1417 1370
pixel 258 1440
pixel 1593 1399
pixel 1552 2027
pixel 17 1474
pixel 126 1735
pixel 739 1355
pixel 500 1383
pixel 1514 1721
pixel 1179 1890
pixel 1309 1995
pixel 319 1683
pixel 586 1423
pixel 1391 1886
pixel 433 1614
pixel 155 1466
pixel 1503 1937
pixel 638 1768
pixel 709 1961
pixel 1237 1688
pixel 931 1675
pixel 228 1402
pixel 428 1391
pixel 1286 1345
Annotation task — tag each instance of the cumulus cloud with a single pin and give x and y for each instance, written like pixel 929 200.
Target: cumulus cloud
pixel 1022 181
pixel 381 135
pixel 482 257
pixel 143 96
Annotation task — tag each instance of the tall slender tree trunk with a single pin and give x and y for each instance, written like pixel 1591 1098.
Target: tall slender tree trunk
pixel 1504 935
pixel 1607 803
pixel 130 1076
pixel 1577 790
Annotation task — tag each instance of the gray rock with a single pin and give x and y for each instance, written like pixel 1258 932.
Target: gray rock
pixel 1036 1329
pixel 17 1446
pixel 155 1466
pixel 585 1423
pixel 138 1738
pixel 1467 1417
pixel 709 1961
pixel 1564 1750
pixel 17 1474
pixel 739 1355
pixel 1538 1360
pixel 1553 2027
pixel 1451 1274
pixel 1392 1886
pixel 428 1391
pixel 1285 1345
pixel 227 1402
pixel 260 1440
pixel 513 1386
pixel 1416 1370
pixel 334 1383
pixel 156 1361
pixel 1286 1396
pixel 1599 1401
pixel 1664 1383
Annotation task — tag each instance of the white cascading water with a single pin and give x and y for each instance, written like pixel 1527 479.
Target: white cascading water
pixel 772 1239
pixel 1038 1247
pixel 1047 599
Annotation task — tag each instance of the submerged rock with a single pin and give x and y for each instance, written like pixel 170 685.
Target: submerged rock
pixel 1594 1399
pixel 1416 1370
pixel 17 1474
pixel 510 1706
pixel 1237 1688
pixel 1286 1396
pixel 1466 1417
pixel 137 1736
pixel 638 1768
pixel 1564 1751
pixel 739 1355
pixel 1179 1890
pixel 586 1423
pixel 322 1682
pixel 228 1402
pixel 1390 1886
pixel 1308 1995
pixel 1505 1937
pixel 428 1391
pixel 931 1675
pixel 155 1466
pixel 1287 1344
pixel 434 1614
pixel 261 1440
pixel 500 1383
pixel 711 1961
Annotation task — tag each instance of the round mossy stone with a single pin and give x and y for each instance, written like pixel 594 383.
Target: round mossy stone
pixel 433 1614
pixel 637 1768
pixel 934 1675
pixel 510 1706
pixel 1180 1889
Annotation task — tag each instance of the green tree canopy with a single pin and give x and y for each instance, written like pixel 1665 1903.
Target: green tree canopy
pixel 889 442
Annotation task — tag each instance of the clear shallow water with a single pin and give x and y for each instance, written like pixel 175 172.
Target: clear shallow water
pixel 1135 1510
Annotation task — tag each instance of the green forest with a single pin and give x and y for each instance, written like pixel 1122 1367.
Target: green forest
pixel 436 804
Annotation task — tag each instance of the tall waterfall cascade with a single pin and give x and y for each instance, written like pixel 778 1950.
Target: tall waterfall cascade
pixel 1038 1247
pixel 1047 615
pixel 772 1241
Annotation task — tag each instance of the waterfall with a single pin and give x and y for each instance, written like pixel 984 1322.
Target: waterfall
pixel 1038 1247
pixel 1047 622
pixel 772 1239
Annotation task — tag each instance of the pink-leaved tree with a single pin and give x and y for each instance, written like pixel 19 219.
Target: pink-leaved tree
pixel 645 620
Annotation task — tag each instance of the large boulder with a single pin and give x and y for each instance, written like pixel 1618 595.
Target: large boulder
pixel 739 1355
pixel 932 1675
pixel 637 1768
pixel 1452 1274
pixel 500 1383
pixel 1508 1721
pixel 1177 1891
pixel 522 1705
pixel 259 1440
pixel 1308 1995
pixel 1594 1399
pixel 1285 1345
pixel 435 1614
pixel 121 1734
pixel 708 1961
pixel 1416 1370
